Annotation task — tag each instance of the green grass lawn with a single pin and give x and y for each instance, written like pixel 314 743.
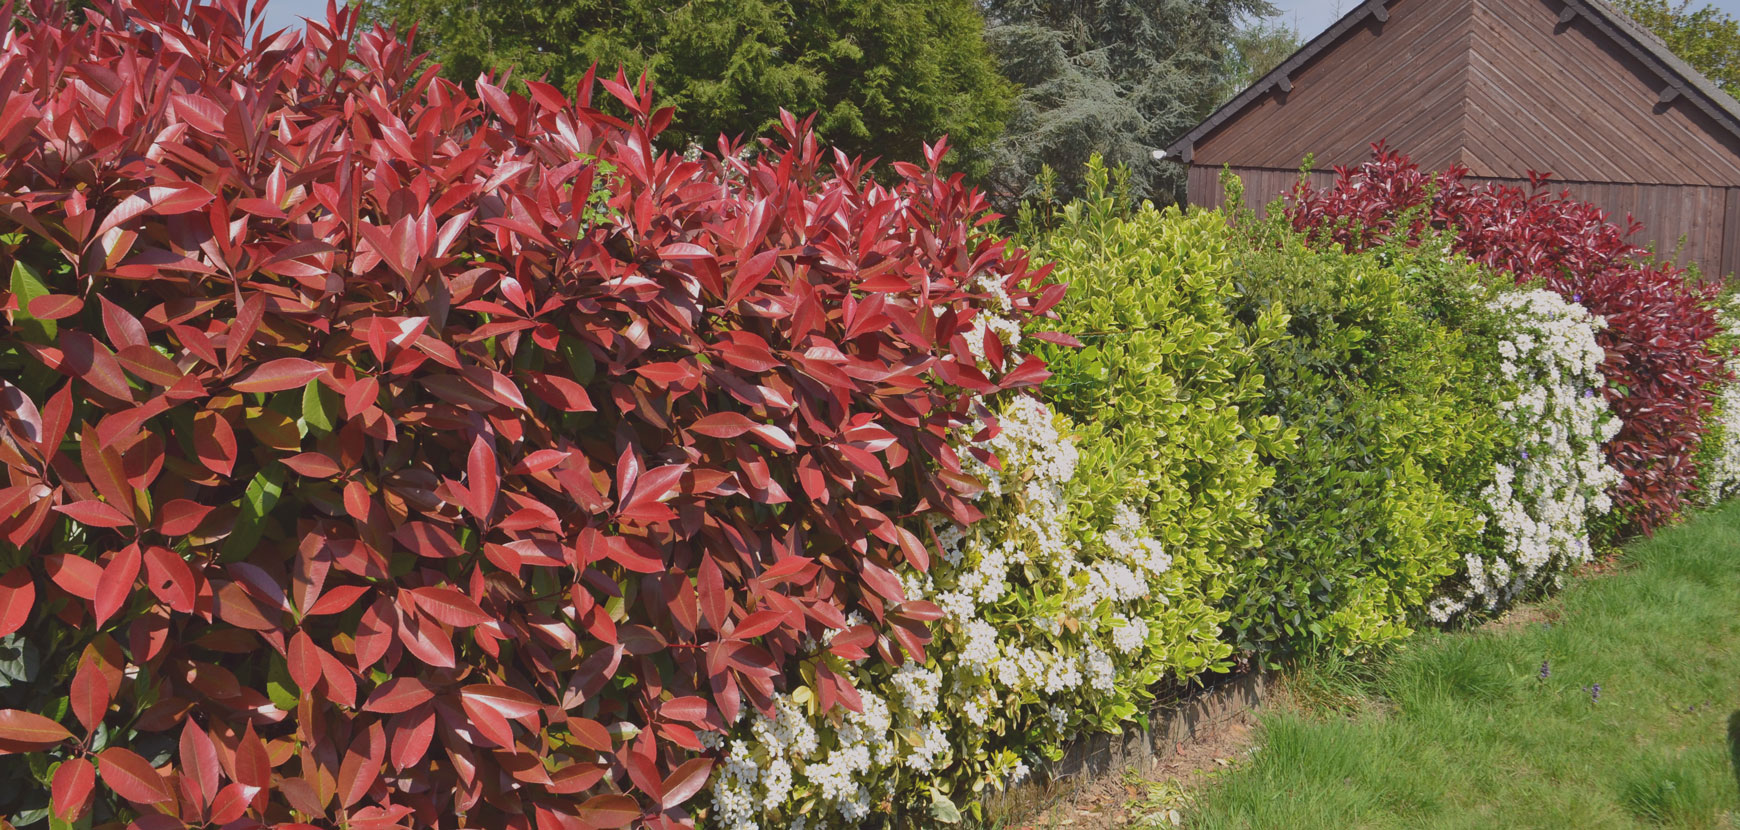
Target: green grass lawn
pixel 1459 730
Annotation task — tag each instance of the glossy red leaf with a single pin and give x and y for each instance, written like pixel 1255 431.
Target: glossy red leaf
pixel 449 606
pixel 199 762
pixel 95 514
pixel 606 812
pixel 54 306
pixel 253 763
pixel 132 777
pixel 304 661
pixel 510 703
pixel 29 731
pixel 75 575
pixel 688 779
pixel 278 375
pixel 362 764
pixel 400 694
pixel 116 582
pixel 17 598
pixel 181 517
pixel 90 694
pixel 70 793
pixel 93 363
pixel 482 479
pixel 215 442
pixel 171 579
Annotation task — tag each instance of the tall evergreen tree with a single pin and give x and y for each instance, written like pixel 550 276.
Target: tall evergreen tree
pixel 1116 77
pixel 882 75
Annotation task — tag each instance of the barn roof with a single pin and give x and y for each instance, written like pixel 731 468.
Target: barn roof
pixel 1680 78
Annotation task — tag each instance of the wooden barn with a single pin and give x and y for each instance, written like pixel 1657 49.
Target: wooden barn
pixel 1568 87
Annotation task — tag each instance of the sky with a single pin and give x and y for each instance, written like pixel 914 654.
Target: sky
pixel 1308 16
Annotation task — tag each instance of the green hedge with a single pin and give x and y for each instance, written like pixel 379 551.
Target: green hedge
pixel 1387 380
pixel 1168 390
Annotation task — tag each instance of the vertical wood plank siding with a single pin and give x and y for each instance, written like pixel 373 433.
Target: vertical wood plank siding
pixel 1692 223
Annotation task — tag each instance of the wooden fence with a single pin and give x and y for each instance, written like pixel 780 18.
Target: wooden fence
pixel 1691 223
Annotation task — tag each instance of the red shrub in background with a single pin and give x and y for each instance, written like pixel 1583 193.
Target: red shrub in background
pixel 404 458
pixel 1661 368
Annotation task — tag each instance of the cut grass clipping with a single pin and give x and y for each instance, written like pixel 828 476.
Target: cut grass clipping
pixel 1616 704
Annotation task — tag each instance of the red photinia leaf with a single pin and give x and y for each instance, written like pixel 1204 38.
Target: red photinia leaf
pixel 95 514
pixel 362 764
pixel 313 465
pixel 412 733
pixel 304 661
pixel 181 517
pixel 17 598
pixel 93 363
pixel 651 489
pixel 54 306
pixel 75 575
pixel 425 640
pixel 71 791
pixel 116 582
pixel 482 479
pixel 144 363
pixel 401 694
pixel 634 554
pixel 337 600
pixel 26 731
pixel 723 425
pixel 425 539
pixel 231 802
pixel 199 762
pixel 449 606
pixel 132 777
pixel 238 608
pixel 215 442
pixel 607 812
pixel 90 694
pixel 278 375
pixel 510 703
pixel 253 762
pixel 685 782
pixel 171 579
pixel 690 708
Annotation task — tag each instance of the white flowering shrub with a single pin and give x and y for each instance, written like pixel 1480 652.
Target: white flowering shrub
pixel 1543 494
pixel 1719 460
pixel 1054 623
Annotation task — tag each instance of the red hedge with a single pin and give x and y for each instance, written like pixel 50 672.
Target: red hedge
pixel 484 432
pixel 1661 368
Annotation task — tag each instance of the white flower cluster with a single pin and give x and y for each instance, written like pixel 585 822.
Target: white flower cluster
pixel 995 318
pixel 1541 498
pixel 1722 471
pixel 760 775
pixel 1046 618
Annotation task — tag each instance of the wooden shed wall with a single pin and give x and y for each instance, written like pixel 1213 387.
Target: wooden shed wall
pixel 1707 217
pixel 1404 80
pixel 1567 98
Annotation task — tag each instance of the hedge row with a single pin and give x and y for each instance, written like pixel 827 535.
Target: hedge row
pixel 383 456
pixel 1662 370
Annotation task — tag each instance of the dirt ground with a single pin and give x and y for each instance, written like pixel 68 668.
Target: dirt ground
pixel 1149 795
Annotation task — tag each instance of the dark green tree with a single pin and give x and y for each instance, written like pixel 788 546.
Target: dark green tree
pixel 1707 37
pixel 882 75
pixel 1116 77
